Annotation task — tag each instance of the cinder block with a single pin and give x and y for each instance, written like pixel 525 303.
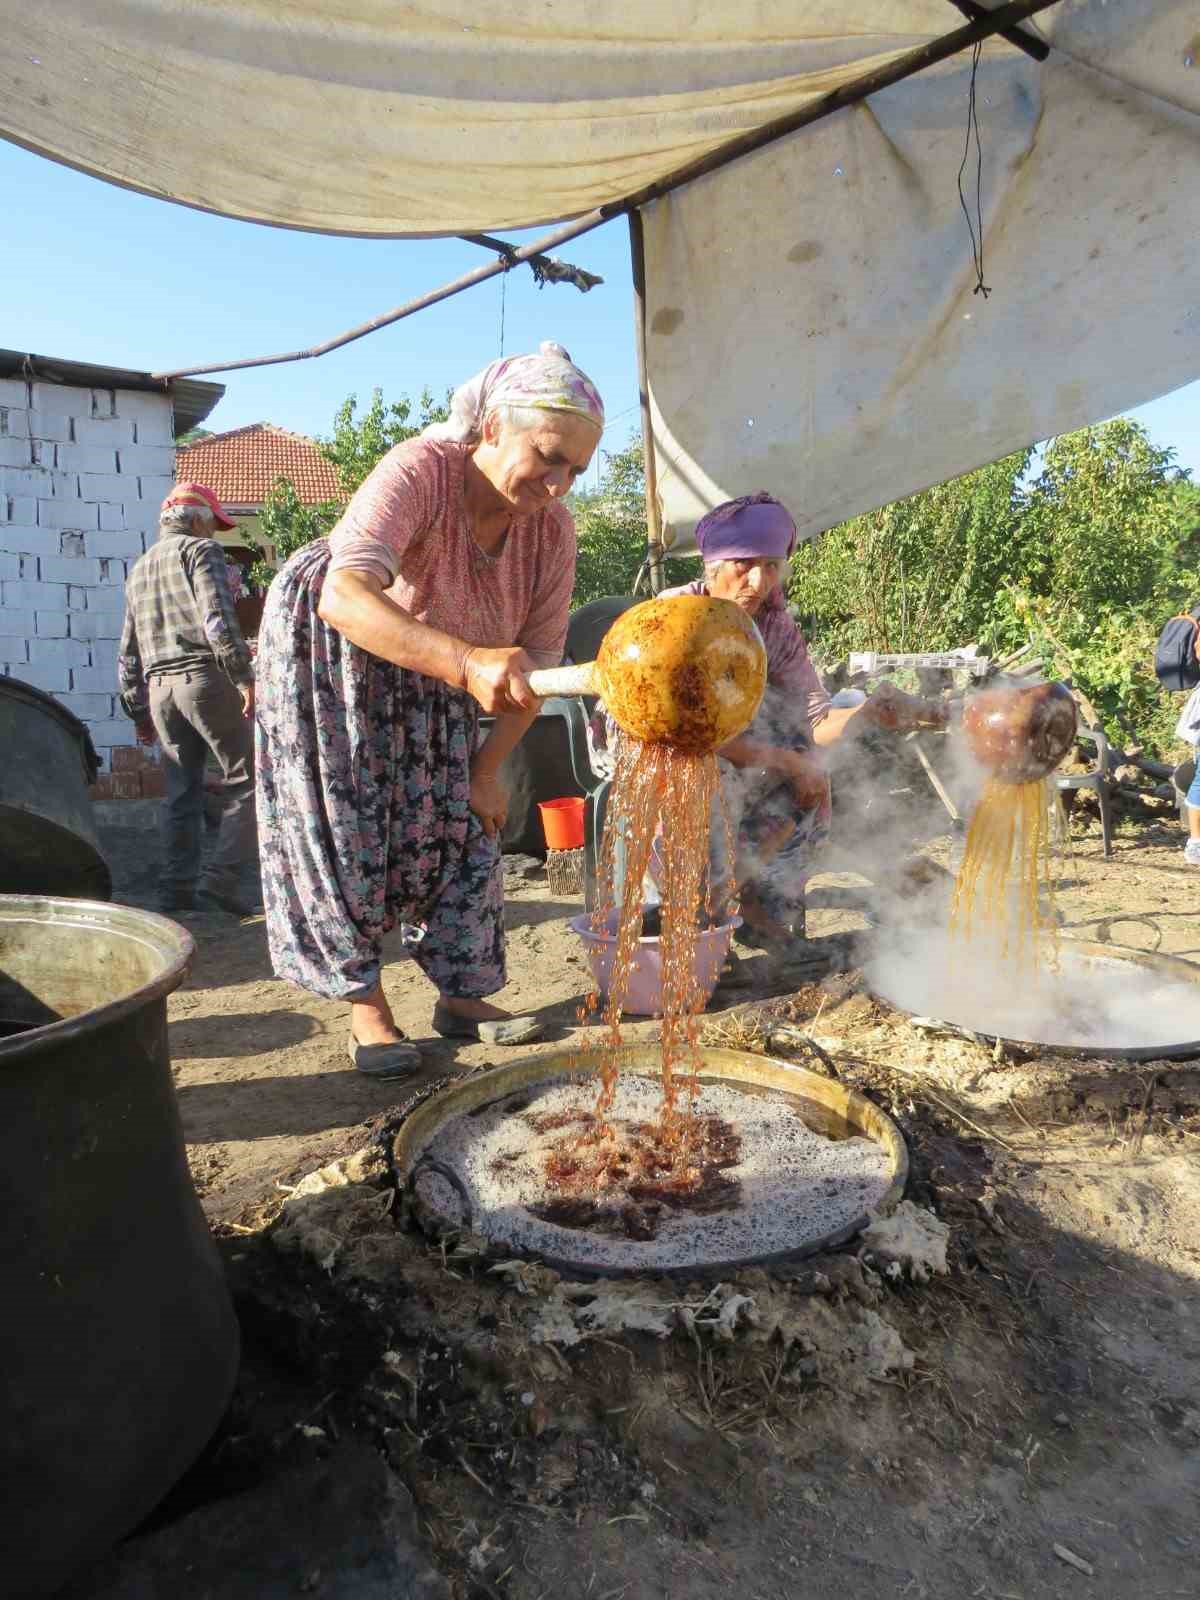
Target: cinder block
pixel 93 680
pixel 63 485
pixel 10 565
pixel 114 734
pixel 15 452
pixel 141 404
pixel 14 422
pixel 70 569
pixel 21 540
pixel 77 597
pixel 112 517
pixel 21 508
pixel 53 679
pixel 112 573
pixel 90 707
pixel 49 426
pixel 52 624
pixel 125 544
pixel 16 621
pixel 111 431
pixel 35 596
pixel 71 544
pixel 85 458
pixel 14 392
pixel 59 652
pixel 68 514
pixel 61 397
pixel 153 490
pixel 147 460
pixel 23 480
pixel 102 788
pixel 104 402
pixel 102 486
pixel 158 429
pixel 104 655
pixel 96 624
pixel 13 650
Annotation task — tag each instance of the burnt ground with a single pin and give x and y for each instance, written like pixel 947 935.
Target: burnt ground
pixel 1027 1425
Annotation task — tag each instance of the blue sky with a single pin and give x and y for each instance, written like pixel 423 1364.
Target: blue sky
pixel 95 273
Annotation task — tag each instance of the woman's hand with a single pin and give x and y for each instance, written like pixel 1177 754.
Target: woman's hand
pixel 488 800
pixel 498 679
pixel 808 780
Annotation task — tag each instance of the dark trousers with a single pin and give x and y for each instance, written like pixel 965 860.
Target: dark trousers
pixel 193 713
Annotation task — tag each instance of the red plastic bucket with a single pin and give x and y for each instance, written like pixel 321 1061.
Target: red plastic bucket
pixel 562 822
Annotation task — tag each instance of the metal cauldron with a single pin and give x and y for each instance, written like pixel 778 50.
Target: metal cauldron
pixel 118 1343
pixel 48 840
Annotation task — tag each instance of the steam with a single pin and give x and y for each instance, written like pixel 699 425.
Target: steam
pixel 1090 1002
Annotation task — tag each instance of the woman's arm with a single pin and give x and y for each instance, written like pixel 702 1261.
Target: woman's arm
pixel 888 708
pixel 355 604
pixel 802 768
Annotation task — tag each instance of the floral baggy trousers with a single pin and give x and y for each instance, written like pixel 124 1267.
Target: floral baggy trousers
pixel 363 808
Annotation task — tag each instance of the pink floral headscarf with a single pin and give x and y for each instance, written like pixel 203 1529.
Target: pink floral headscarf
pixel 547 381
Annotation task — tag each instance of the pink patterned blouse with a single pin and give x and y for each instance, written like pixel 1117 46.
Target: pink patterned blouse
pixel 407 524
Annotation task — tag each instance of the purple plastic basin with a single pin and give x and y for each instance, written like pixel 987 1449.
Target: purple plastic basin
pixel 644 998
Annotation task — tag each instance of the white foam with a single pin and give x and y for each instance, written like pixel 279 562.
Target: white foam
pixel 792 1185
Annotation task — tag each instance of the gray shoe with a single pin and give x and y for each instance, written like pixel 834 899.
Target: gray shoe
pixel 504 1030
pixel 399 1059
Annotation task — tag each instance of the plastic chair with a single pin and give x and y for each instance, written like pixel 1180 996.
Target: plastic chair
pixel 1099 779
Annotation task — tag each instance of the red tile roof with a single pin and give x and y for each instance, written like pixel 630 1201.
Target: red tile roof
pixel 241 466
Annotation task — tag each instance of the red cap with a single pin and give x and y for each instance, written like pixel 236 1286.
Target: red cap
pixel 195 494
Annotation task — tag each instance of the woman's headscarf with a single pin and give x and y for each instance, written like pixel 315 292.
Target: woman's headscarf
pixel 547 381
pixel 754 527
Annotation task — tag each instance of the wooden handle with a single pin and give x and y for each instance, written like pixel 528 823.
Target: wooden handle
pixel 546 681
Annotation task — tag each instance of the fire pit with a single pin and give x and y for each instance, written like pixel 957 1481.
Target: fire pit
pixel 792 1163
pixel 1104 1001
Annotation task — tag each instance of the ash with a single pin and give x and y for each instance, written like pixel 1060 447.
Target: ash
pixel 789 1185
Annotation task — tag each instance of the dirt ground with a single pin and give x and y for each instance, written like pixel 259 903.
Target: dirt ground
pixel 1027 1425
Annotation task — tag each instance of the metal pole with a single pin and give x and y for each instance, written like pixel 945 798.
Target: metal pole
pixel 912 61
pixel 654 538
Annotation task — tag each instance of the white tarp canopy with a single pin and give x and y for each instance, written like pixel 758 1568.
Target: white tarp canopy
pixel 811 322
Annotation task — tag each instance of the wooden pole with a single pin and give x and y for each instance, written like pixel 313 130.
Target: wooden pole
pixel 654 538
pixel 850 94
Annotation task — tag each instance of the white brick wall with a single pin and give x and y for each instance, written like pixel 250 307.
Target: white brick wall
pixel 82 475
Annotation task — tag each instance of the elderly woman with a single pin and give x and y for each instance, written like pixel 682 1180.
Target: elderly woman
pixel 446 581
pixel 778 802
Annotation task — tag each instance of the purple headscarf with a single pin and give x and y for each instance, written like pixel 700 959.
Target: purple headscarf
pixel 755 526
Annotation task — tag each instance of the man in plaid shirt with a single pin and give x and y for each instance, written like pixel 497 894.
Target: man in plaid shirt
pixel 186 677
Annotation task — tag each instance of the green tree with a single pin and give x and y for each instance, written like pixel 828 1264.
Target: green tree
pixel 354 447
pixel 1108 543
pixel 193 436
pixel 920 574
pixel 1087 559
pixel 610 524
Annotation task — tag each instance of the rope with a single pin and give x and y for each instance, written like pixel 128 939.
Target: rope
pixel 973 131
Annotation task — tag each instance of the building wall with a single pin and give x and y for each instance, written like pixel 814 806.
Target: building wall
pixel 83 473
